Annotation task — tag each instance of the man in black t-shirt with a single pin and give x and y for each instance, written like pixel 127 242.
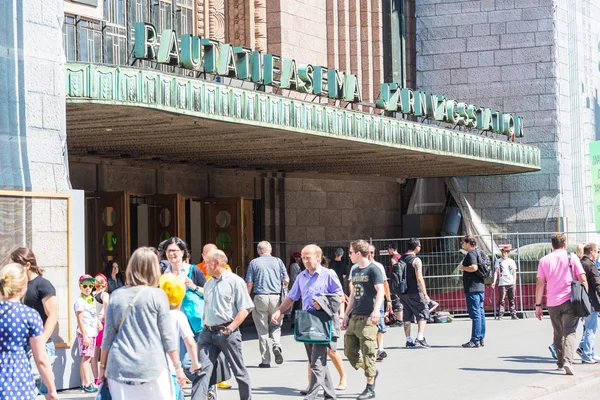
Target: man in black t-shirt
pixel 364 303
pixel 474 292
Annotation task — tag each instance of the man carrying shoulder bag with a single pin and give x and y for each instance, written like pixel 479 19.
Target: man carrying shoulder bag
pixel 312 284
pixel 558 273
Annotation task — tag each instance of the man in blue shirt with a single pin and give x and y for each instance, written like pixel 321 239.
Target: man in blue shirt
pixel 313 282
pixel 266 276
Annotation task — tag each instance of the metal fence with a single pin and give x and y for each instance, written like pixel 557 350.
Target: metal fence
pixel 442 255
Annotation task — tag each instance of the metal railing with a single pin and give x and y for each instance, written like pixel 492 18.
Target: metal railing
pixel 442 255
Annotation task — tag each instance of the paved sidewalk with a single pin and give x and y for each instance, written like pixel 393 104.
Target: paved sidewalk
pixel 514 364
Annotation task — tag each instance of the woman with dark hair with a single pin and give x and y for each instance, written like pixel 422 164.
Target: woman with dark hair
pixel 41 296
pixel 115 276
pixel 176 252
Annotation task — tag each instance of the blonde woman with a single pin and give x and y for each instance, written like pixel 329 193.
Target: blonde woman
pixel 101 297
pixel 20 325
pixel 138 332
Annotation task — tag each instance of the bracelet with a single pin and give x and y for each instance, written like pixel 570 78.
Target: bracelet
pixel 178 365
pixel 538 305
pixel 102 365
pixel 388 301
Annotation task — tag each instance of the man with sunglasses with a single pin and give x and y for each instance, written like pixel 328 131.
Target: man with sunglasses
pixel 363 315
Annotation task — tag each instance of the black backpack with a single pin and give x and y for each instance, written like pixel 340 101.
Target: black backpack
pixel 484 265
pixel 397 278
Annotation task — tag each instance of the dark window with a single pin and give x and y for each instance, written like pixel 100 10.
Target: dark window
pixel 89 44
pixel 115 45
pixel 114 12
pixel 70 38
pixel 185 16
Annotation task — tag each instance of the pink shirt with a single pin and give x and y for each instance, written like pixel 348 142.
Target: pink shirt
pixel 554 268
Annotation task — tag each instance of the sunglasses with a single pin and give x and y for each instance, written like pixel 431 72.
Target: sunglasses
pixel 87 286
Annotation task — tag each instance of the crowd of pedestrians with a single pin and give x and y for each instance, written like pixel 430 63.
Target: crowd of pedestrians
pixel 144 332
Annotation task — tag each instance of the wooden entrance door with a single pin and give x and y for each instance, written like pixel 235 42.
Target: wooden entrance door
pixel 108 230
pixel 223 221
pixel 165 217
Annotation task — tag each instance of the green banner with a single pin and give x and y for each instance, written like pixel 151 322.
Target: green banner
pixel 595 163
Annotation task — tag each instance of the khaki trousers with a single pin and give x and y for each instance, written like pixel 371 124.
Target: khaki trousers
pixel 564 323
pixel 265 306
pixel 360 342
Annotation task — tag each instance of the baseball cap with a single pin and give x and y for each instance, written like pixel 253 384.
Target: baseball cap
pixel 339 251
pixel 392 245
pixel 296 255
pixel 173 287
pixel 86 277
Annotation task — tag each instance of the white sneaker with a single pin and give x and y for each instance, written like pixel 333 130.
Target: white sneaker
pixel 569 369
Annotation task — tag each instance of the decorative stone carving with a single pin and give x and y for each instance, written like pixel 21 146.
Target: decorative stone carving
pixel 200 26
pixel 216 9
pixel 236 23
pixel 260 25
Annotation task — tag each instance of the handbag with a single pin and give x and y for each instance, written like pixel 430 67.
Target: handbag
pixel 192 306
pixel 313 327
pixel 580 300
pixel 103 392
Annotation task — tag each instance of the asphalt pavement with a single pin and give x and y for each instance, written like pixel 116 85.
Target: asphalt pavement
pixel 514 364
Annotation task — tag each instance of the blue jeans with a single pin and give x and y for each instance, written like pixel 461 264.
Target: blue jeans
pixel 477 314
pixel 41 386
pixel 589 336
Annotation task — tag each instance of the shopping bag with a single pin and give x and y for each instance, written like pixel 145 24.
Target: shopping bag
pixel 313 327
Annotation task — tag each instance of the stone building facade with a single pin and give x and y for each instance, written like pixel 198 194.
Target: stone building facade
pixel 538 59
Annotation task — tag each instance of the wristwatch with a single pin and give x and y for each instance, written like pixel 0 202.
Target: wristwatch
pixel 227 331
pixel 538 305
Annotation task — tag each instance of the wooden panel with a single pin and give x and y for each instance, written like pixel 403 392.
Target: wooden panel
pixel 164 217
pixel 222 221
pixel 110 214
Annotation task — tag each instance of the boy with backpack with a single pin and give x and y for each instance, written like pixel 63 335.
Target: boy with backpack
pixel 476 268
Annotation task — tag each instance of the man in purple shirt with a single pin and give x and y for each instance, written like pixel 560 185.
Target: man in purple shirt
pixel 314 281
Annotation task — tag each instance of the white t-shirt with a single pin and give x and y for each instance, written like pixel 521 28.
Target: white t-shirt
pixel 506 271
pixel 89 316
pixel 182 329
pixel 379 265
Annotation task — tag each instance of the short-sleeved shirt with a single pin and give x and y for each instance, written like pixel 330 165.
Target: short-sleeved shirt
pixel 364 280
pixel 554 268
pixel 183 330
pixel 38 289
pixel 224 298
pixel 378 264
pixel 266 274
pixel 339 267
pixel 89 316
pixel 506 271
pixel 322 281
pixel 472 282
